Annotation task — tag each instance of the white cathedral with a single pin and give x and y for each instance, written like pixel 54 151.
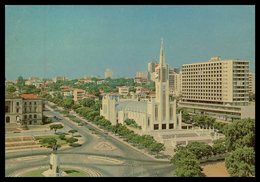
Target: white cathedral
pixel 158 113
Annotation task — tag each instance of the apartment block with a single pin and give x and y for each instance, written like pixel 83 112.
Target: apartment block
pixel 251 82
pixel 217 87
pixel 124 90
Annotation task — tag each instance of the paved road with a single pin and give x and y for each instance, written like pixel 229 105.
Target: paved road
pixel 135 164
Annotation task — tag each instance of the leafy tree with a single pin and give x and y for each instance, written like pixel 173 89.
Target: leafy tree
pixel 241 162
pixel 64 112
pixel 179 147
pixel 186 163
pixel 76 106
pixel 199 149
pixel 219 147
pixel 10 89
pixel 62 136
pixel 71 140
pixel 87 102
pixel 35 91
pixel 55 127
pixel 129 121
pixel 48 120
pixel 48 141
pixel 68 102
pixel 148 140
pixel 73 131
pixel 240 133
pixel 92 115
pixel 157 147
pixel 20 82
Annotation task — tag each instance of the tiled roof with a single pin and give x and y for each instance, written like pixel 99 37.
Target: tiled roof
pixel 29 96
pixel 90 95
pixel 80 90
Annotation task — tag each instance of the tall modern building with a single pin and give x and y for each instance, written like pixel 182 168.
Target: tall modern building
pixel 175 80
pixel 219 88
pixel 251 82
pixel 158 113
pixel 139 74
pixel 151 66
pixel 109 73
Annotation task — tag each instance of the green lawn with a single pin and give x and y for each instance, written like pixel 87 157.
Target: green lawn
pixel 70 172
pixel 59 141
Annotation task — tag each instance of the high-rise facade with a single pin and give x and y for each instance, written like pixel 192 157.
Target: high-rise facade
pixel 139 74
pixel 216 87
pixel 251 82
pixel 151 67
pixel 109 73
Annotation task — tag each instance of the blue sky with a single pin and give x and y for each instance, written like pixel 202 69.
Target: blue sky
pixel 86 40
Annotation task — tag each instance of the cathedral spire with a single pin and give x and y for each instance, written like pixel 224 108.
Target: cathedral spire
pixel 162 55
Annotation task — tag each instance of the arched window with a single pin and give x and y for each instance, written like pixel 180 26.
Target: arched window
pixel 30 116
pixel 17 118
pixel 35 116
pixel 25 116
pixel 7 120
pixel 35 109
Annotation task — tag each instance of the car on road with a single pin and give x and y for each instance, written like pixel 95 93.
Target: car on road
pixel 76 145
pixel 80 124
pixel 105 132
pixel 16 131
pixel 57 118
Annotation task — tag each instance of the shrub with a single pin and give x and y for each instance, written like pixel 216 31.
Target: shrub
pixel 62 136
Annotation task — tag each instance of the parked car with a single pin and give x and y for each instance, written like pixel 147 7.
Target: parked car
pixel 16 131
pixel 80 124
pixel 105 132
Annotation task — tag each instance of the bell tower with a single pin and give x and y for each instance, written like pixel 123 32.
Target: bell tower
pixel 162 90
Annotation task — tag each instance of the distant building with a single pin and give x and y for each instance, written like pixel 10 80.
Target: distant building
pixel 88 77
pixel 151 66
pixel 124 90
pixel 79 94
pixel 141 80
pixel 175 80
pixel 109 73
pixel 19 107
pixel 37 83
pixel 8 83
pixel 61 78
pixel 34 78
pixel 91 96
pixel 139 74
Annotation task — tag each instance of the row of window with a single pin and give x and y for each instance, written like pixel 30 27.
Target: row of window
pixel 204 98
pixel 207 79
pixel 201 65
pixel 25 103
pixel 215 87
pixel 202 76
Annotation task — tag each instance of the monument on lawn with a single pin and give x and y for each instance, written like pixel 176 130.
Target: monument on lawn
pixel 54 169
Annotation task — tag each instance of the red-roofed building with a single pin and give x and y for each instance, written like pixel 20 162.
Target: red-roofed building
pixel 29 96
pixel 91 96
pixel 8 83
pixel 19 107
pixel 79 94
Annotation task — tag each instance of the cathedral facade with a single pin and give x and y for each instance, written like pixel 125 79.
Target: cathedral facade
pixel 158 113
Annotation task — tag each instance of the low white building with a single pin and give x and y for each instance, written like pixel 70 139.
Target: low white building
pixel 124 90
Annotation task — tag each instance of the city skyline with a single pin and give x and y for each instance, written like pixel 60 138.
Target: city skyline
pixel 74 41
